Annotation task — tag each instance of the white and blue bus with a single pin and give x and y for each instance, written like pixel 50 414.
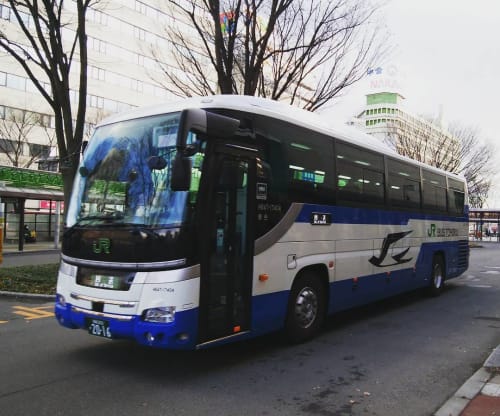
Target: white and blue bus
pixel 223 218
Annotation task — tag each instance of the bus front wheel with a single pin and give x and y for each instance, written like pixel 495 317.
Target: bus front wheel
pixel 306 308
pixel 437 277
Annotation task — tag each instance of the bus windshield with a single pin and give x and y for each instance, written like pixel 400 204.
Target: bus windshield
pixel 125 176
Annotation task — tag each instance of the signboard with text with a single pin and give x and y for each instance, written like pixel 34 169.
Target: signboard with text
pixel 27 178
pixel 50 205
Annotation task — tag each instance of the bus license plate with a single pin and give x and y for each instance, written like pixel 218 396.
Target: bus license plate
pixel 98 327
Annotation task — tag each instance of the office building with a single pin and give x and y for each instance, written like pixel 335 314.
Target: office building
pixel 123 36
pixel 386 117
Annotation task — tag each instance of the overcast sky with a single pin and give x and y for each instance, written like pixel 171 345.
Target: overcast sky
pixel 446 53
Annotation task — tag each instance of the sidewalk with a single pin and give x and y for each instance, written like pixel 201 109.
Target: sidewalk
pixel 42 252
pixel 480 395
pixel 12 248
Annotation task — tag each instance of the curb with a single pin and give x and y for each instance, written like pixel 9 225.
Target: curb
pixel 472 387
pixel 31 253
pixel 27 295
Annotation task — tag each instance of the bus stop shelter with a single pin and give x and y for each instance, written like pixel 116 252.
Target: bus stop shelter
pixel 19 185
pixel 484 223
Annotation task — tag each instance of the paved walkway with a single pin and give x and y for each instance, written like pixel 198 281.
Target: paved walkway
pixel 42 252
pixel 12 248
pixel 480 395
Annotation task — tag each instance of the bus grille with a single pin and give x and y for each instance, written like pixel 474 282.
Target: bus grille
pixel 463 254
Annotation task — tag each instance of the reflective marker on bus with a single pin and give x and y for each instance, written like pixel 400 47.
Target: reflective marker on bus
pixel 221 218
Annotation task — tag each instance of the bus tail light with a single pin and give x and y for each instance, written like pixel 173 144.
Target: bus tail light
pixel 164 314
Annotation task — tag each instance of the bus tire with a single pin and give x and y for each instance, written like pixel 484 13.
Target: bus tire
pixel 437 276
pixel 306 308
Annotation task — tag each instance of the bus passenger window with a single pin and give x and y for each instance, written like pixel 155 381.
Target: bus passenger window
pixel 434 190
pixel 404 184
pixel 456 197
pixel 360 174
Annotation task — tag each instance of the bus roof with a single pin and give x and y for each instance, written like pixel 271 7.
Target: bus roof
pixel 270 108
pixel 260 106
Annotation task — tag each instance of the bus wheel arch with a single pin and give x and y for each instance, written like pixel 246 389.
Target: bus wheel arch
pixel 307 304
pixel 438 274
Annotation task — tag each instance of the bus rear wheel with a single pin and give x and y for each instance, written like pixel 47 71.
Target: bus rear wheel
pixel 437 276
pixel 306 308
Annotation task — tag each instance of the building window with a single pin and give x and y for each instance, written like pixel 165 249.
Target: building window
pixel 16 82
pixel 96 44
pixel 39 150
pixel 97 17
pixel 137 85
pixel 51 165
pixel 97 73
pixel 95 101
pixel 5 12
pixel 140 7
pixel 9 146
pixel 139 33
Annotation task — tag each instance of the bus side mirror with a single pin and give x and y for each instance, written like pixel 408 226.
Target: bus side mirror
pixel 181 173
pixel 203 122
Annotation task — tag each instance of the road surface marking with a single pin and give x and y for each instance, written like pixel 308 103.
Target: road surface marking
pixel 3 322
pixel 481 286
pixel 34 313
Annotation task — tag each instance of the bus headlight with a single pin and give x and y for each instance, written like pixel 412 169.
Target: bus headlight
pixel 165 314
pixel 61 300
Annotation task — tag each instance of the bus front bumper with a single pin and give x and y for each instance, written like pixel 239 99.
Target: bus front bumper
pixel 180 334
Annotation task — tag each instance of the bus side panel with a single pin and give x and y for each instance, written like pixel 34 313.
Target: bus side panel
pixel 269 312
pixel 349 293
pixel 454 253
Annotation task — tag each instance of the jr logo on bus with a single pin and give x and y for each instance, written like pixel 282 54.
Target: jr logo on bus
pixel 431 232
pixel 389 240
pixel 103 245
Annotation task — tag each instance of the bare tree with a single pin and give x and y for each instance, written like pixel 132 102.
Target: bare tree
pixel 459 150
pixel 92 121
pixel 284 49
pixel 43 40
pixel 15 129
pixel 424 139
pixel 319 49
pixel 476 162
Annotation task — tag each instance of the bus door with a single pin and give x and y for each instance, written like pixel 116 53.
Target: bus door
pixel 226 269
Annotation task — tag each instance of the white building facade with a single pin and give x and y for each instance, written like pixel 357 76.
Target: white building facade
pixel 428 141
pixel 122 71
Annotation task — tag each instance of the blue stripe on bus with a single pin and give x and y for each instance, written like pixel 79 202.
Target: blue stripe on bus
pixel 165 335
pixel 348 215
pixel 269 311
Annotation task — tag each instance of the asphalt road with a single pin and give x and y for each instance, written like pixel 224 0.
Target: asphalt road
pixel 404 356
